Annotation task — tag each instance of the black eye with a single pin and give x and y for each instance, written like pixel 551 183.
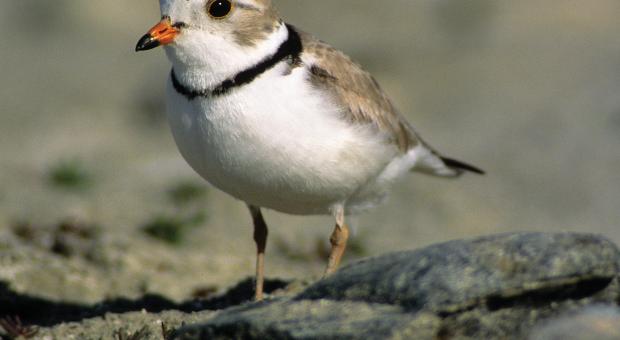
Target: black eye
pixel 220 8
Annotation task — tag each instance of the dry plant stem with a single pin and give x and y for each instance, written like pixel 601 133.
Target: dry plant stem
pixel 260 237
pixel 338 241
pixel 15 329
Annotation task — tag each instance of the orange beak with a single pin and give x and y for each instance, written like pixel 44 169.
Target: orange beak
pixel 161 34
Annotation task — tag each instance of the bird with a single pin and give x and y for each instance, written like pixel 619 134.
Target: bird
pixel 280 120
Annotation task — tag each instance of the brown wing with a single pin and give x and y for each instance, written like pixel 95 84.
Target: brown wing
pixel 357 91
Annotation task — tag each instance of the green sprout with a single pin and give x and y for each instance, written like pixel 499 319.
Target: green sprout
pixel 186 192
pixel 69 174
pixel 172 229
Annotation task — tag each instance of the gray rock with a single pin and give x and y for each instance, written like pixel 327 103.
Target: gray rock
pixel 319 319
pixel 494 270
pixel 491 287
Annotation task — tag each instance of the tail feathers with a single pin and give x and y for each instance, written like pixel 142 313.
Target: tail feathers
pixel 431 162
pixel 460 166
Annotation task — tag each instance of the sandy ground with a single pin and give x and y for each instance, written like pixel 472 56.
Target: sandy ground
pixel 526 90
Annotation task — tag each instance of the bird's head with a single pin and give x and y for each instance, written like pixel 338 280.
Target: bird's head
pixel 211 32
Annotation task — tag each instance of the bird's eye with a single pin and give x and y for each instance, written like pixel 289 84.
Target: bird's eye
pixel 219 8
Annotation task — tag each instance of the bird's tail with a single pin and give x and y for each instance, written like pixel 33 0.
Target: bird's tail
pixel 461 166
pixel 431 162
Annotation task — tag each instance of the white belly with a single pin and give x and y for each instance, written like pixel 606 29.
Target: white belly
pixel 277 143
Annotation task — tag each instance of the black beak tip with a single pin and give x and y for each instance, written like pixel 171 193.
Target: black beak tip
pixel 146 43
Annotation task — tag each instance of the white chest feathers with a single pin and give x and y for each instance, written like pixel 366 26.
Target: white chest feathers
pixel 278 143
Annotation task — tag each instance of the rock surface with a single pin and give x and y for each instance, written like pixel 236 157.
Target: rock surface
pixel 492 287
pixel 459 275
pixel 309 319
pixel 509 286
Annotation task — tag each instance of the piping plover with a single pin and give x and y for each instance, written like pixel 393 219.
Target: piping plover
pixel 280 120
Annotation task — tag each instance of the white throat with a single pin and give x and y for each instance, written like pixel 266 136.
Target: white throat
pixel 203 66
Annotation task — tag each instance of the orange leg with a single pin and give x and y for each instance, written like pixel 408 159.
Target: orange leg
pixel 338 241
pixel 260 237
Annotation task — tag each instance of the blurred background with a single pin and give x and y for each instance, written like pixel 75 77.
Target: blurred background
pixel 96 202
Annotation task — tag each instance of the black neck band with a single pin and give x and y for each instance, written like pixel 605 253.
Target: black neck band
pixel 291 48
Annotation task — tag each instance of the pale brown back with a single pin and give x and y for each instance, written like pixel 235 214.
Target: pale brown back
pixel 357 91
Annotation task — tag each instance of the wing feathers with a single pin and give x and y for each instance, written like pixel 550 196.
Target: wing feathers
pixel 365 102
pixel 356 90
pixel 458 165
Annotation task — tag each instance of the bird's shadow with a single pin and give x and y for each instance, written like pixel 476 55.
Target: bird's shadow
pixel 44 312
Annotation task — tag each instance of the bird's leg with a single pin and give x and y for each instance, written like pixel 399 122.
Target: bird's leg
pixel 338 241
pixel 260 237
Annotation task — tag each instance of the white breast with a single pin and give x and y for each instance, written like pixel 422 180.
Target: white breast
pixel 278 143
